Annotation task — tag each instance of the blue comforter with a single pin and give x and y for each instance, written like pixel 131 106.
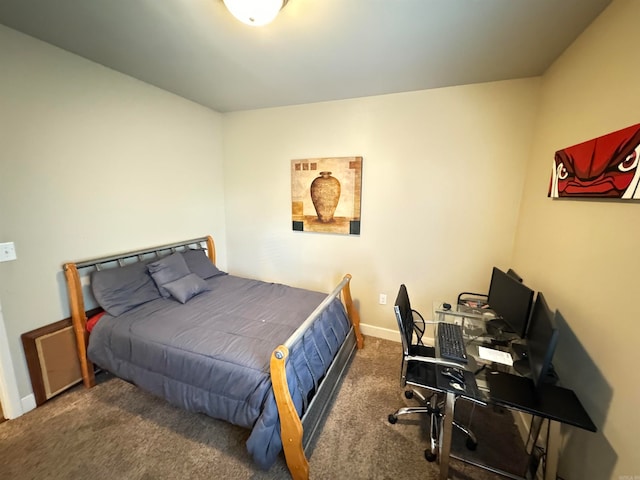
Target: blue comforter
pixel 211 355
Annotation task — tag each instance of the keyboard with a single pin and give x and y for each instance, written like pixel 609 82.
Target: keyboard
pixel 451 342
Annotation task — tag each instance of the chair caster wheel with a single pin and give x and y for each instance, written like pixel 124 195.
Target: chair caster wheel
pixel 471 445
pixel 430 456
pixel 392 419
pixel 408 394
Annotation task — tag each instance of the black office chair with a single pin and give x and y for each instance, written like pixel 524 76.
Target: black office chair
pixel 418 369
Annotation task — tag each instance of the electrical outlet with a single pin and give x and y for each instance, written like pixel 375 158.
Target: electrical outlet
pixel 383 299
pixel 7 252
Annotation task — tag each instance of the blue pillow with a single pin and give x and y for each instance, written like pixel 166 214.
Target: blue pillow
pixel 199 263
pixel 187 287
pixel 118 290
pixel 167 270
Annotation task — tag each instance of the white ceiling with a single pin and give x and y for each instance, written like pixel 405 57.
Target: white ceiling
pixel 316 50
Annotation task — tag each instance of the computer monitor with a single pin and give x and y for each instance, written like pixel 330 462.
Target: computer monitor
pixel 542 338
pixel 511 300
pixel 512 273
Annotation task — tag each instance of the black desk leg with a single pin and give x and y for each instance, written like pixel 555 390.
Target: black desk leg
pixel 551 446
pixel 532 441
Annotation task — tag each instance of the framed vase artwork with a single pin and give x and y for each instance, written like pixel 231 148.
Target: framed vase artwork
pixel 326 194
pixel 603 167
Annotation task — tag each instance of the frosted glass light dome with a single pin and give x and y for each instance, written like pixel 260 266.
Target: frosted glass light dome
pixel 255 12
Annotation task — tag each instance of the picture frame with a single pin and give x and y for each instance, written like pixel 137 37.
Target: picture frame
pixel 326 195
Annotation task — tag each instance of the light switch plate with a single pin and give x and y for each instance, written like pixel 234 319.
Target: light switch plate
pixel 7 252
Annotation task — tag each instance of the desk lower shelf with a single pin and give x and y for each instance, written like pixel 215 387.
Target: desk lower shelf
pixel 549 401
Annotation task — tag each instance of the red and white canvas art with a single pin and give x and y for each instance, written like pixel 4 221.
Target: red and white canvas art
pixel 605 166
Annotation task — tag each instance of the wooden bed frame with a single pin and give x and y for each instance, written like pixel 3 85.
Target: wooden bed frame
pixel 297 433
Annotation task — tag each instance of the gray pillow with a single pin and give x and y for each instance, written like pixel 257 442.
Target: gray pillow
pixel 187 287
pixel 199 263
pixel 118 290
pixel 167 270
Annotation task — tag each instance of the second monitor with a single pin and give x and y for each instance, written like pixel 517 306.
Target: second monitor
pixel 512 302
pixel 542 339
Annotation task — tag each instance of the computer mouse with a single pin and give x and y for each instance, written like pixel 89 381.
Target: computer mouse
pixel 454 374
pixel 456 385
pixel 446 306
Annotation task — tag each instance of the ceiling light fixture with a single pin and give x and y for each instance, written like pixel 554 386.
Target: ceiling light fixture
pixel 255 12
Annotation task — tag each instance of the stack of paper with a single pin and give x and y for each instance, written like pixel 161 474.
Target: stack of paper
pixel 497 356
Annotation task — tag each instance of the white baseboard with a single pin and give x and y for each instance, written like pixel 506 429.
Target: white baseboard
pixel 379 332
pixel 28 403
pixel 388 333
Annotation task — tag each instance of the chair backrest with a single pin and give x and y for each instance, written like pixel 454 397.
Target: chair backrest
pixel 404 317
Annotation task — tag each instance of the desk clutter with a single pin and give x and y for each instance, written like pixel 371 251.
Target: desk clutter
pixel 493 351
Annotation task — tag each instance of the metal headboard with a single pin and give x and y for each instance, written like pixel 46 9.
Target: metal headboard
pixel 203 243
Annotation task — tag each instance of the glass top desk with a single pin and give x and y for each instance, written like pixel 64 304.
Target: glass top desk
pixel 501 384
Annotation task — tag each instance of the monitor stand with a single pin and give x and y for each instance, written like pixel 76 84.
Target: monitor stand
pixel 520 349
pixel 500 332
pixel 522 367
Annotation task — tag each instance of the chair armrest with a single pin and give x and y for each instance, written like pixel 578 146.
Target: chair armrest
pixel 418 327
pixel 437 361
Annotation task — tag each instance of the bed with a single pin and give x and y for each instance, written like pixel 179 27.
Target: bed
pixel 264 356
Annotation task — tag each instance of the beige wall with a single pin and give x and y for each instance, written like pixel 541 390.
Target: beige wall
pixel 95 162
pixel 582 254
pixel 92 163
pixel 442 179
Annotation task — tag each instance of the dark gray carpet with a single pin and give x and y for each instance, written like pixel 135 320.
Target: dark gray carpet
pixel 116 431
